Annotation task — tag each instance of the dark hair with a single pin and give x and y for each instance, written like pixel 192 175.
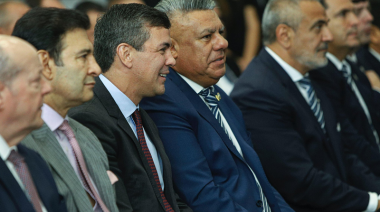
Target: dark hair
pixel 45 28
pixel 124 23
pixel 86 6
pixel 375 8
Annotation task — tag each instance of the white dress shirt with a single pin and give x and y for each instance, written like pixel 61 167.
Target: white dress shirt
pixel 127 107
pixel 296 76
pixel 53 120
pixel 339 65
pixel 5 151
pixel 374 53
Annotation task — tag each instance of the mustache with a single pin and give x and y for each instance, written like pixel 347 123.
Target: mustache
pixel 323 46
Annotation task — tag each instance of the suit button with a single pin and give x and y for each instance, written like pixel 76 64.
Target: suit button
pixel 259 203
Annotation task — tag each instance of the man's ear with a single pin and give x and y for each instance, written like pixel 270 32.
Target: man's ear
pixel 124 53
pixel 174 49
pixel 284 35
pixel 3 89
pixel 48 64
pixel 375 35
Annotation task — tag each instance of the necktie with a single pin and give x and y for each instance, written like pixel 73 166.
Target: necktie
pixel 313 101
pixel 209 96
pixel 24 174
pixel 83 173
pixel 140 135
pixel 347 76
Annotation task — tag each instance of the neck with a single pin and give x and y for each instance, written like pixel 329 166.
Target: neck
pixel 57 103
pixel 11 136
pixel 340 53
pixel 125 84
pixel 284 55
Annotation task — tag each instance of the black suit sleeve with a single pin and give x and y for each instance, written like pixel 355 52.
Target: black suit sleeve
pixel 109 142
pixel 271 120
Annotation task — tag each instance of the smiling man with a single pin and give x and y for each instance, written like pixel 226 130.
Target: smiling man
pixel 295 129
pixel 132 47
pixel 75 156
pixel 214 165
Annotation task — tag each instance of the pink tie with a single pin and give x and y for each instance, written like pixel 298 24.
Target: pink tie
pixel 85 177
pixel 24 174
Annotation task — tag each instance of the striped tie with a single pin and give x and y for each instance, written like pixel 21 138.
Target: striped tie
pixel 140 135
pixel 313 101
pixel 209 96
pixel 347 76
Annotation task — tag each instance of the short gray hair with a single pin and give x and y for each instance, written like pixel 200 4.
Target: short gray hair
pixel 170 7
pixel 280 12
pixel 8 69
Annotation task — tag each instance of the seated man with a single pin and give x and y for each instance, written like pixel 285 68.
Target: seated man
pixel 132 48
pixel 215 167
pixel 26 183
pixel 10 12
pixel 296 130
pixel 74 154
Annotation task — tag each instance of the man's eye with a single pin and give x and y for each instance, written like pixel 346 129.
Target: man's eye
pixel 207 37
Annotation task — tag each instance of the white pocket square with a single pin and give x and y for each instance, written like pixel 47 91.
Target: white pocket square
pixel 112 177
pixel 338 127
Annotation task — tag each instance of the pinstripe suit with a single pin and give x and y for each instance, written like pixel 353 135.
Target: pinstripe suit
pixel 69 185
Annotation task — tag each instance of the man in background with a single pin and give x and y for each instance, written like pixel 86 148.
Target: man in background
pixel 10 12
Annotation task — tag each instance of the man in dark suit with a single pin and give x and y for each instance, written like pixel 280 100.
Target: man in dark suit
pixel 26 183
pixel 345 84
pixel 296 131
pixel 132 48
pixel 214 165
pixel 73 153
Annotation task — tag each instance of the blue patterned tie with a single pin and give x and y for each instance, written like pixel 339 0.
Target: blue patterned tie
pixel 209 96
pixel 313 101
pixel 347 76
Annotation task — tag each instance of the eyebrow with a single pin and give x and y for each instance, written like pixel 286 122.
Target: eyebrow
pixel 211 30
pixel 319 22
pixel 164 44
pixel 84 51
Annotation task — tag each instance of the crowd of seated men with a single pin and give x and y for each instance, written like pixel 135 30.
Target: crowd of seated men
pixel 120 110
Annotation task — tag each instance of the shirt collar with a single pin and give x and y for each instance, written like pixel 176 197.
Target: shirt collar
pixel 5 150
pixel 374 53
pixel 196 87
pixel 338 64
pixel 292 72
pixel 52 119
pixel 126 105
pixel 353 58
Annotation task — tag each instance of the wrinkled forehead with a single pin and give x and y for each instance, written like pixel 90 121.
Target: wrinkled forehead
pixel 313 12
pixel 197 21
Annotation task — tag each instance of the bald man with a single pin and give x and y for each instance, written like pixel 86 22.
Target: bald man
pixel 10 12
pixel 26 183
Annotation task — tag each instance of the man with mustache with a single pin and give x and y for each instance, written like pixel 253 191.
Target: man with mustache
pixel 294 127
pixel 345 84
pixel 214 165
pixel 74 154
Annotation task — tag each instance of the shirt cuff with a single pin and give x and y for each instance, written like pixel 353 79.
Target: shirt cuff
pixel 373 200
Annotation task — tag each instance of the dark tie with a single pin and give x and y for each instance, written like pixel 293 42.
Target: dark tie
pixel 83 173
pixel 24 174
pixel 209 95
pixel 140 135
pixel 313 101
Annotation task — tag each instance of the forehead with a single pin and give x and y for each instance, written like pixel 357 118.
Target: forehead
pixel 335 6
pixel 75 40
pixel 313 11
pixel 361 4
pixel 199 20
pixel 158 36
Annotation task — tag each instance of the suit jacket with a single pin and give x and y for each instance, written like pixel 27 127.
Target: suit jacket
pixel 13 198
pixel 209 174
pixel 347 105
pixel 44 142
pixel 368 60
pixel 136 188
pixel 309 169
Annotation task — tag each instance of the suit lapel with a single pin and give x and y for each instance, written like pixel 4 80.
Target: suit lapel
pixel 203 110
pixel 57 159
pixel 14 190
pixel 113 110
